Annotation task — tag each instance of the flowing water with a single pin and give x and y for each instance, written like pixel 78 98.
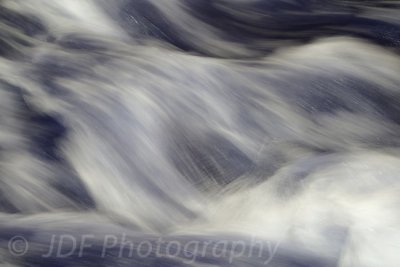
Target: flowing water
pixel 199 133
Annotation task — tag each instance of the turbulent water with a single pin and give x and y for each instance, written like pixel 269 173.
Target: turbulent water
pixel 200 133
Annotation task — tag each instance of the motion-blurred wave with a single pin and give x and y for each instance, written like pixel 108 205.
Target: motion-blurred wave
pixel 207 123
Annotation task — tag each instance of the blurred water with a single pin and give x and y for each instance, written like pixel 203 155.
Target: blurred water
pixel 270 123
